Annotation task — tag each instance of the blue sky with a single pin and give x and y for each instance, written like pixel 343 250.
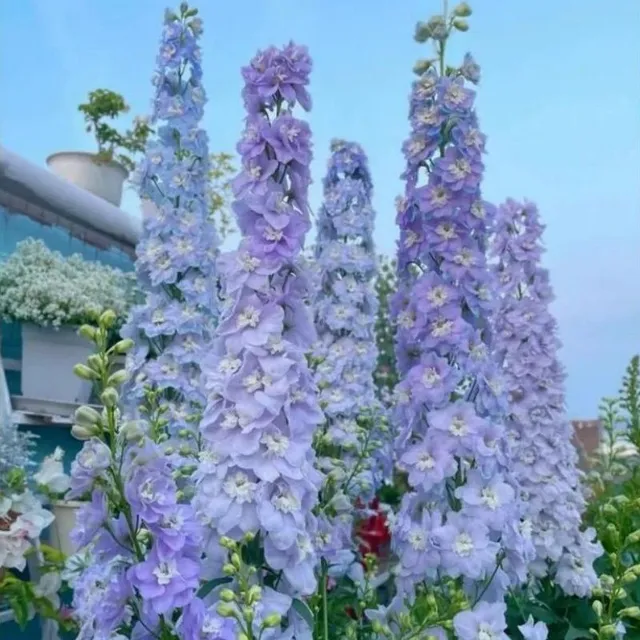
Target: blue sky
pixel 559 101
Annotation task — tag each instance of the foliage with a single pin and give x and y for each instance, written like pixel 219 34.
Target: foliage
pixel 28 599
pixel 386 376
pixel 103 103
pixel 43 287
pixel 614 511
pixel 220 193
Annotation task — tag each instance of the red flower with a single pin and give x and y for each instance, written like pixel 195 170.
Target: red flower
pixel 373 533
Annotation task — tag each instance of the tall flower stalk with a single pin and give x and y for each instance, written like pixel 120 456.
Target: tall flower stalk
pixel 461 518
pixel 177 251
pixel 544 458
pixel 257 485
pixel 141 533
pixel 349 445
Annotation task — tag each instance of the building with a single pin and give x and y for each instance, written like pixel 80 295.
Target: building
pixel 36 203
pixel 587 435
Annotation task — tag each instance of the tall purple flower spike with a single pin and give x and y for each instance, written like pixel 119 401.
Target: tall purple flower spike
pixel 351 443
pixel 258 474
pixel 176 254
pixel 544 459
pixel 461 517
pixel 145 541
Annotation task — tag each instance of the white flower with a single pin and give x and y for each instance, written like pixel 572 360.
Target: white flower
pixel 51 473
pixel 46 288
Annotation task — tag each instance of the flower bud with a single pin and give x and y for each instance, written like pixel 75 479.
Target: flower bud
pixel 608 631
pixel 131 431
pixel 107 319
pixel 243 636
pixel 247 614
pixel 123 346
pixel 235 560
pixel 463 10
pixel 461 25
pixel 82 432
pixel 597 607
pixel 227 595
pixel 226 610
pixel 228 569
pixel 422 66
pixel 271 621
pixel 633 538
pixel 82 371
pixel 110 398
pixel 88 332
pixel 117 378
pixel 422 32
pixel 227 543
pixel 250 536
pixel 630 612
pixel 87 416
pixel 254 594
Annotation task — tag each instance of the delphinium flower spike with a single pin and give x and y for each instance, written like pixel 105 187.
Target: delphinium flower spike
pixel 176 254
pixel 544 458
pixel 350 444
pixel 143 538
pixel 257 485
pixel 461 518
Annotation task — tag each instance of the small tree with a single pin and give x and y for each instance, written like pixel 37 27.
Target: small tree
pixel 102 104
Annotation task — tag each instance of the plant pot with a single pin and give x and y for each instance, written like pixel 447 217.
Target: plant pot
pixel 48 358
pixel 103 179
pixel 65 519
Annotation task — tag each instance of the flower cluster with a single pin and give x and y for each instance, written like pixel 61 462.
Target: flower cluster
pixel 43 287
pixel 177 251
pixel 461 516
pixel 257 474
pixel 22 520
pixel 345 354
pixel 142 545
pixel 145 539
pixel 544 459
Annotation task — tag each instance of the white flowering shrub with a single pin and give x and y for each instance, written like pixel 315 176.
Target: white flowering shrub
pixel 43 287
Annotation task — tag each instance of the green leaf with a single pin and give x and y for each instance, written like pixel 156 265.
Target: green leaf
pixel 209 586
pixel 574 633
pixel 305 612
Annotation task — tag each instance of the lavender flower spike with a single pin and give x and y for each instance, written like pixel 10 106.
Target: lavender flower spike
pixel 351 444
pixel 544 458
pixel 176 253
pixel 461 517
pixel 258 474
pixel 144 539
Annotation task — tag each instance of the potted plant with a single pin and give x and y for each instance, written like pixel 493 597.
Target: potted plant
pixel 103 173
pixel 53 482
pixel 51 296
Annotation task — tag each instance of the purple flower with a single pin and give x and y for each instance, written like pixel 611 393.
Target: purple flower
pixel 165 584
pixel 261 409
pixel 466 547
pixel 94 458
pixel 90 518
pixel 151 491
pixel 531 630
pixel 198 623
pixel 486 620
pixel 290 139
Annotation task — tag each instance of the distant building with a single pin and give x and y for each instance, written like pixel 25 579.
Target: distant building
pixel 587 435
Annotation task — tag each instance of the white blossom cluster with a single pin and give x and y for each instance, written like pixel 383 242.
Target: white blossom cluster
pixel 43 287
